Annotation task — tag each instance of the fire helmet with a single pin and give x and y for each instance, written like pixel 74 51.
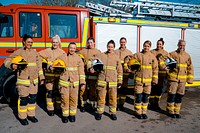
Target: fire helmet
pixel 133 64
pixel 59 65
pixel 97 65
pixel 20 62
pixel 171 63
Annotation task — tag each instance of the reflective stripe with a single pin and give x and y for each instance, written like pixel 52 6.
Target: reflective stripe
pixel 125 64
pixel 138 107
pixel 126 74
pixel 119 77
pixel 89 62
pixel 190 76
pixel 144 79
pixel 112 84
pixel 73 112
pixel 31 64
pixel 52 74
pixel 40 72
pixel 113 110
pixel 155 76
pixel 179 76
pixel 31 108
pixel 35 81
pixel 19 109
pixel 157 96
pixel 101 83
pixel 170 108
pixel 146 67
pixel 122 62
pixel 164 72
pixel 65 112
pixel 58 101
pixel 144 107
pixel 72 68
pixel 123 98
pixel 162 63
pixel 76 83
pixel 50 103
pixel 100 109
pixel 82 77
pixel 92 77
pixel 177 108
pixel 152 96
pixel 110 67
pixel 63 83
pixel 182 65
pixel 23 82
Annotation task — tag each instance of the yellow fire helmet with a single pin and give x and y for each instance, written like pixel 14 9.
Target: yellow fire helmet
pixel 59 64
pixel 133 64
pixel 82 57
pixel 19 60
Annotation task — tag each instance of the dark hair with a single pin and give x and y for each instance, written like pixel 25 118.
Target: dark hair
pixel 25 37
pixel 161 39
pixel 180 41
pixel 122 38
pixel 147 41
pixel 71 43
pixel 91 38
pixel 112 42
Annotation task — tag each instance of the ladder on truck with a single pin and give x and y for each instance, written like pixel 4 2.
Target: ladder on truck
pixel 159 9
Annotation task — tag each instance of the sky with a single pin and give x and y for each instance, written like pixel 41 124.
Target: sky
pixel 7 2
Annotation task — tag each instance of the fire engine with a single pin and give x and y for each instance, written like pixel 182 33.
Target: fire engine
pixel 137 21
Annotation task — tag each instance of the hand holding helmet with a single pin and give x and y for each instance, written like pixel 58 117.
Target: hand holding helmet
pixel 97 66
pixel 18 63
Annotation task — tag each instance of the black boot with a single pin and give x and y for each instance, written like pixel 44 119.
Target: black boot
pixel 82 109
pixel 51 113
pixel 113 117
pixel 72 118
pixel 172 115
pixel 144 116
pixel 24 122
pixel 32 119
pixel 178 116
pixel 64 119
pixel 139 116
pixel 98 116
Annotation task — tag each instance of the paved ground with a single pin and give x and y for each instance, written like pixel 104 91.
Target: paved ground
pixel 126 123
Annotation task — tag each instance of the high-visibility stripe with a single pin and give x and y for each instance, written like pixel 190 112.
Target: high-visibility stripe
pixel 63 83
pixel 146 67
pixel 126 74
pixel 170 108
pixel 52 75
pixel 31 108
pixel 101 83
pixel 119 77
pixel 122 62
pixel 157 96
pixel 82 77
pixel 182 65
pixel 100 109
pixel 35 81
pixel 113 110
pixel 155 76
pixel 19 109
pixel 177 108
pixel 72 112
pixel 76 83
pixel 144 107
pixel 50 103
pixel 92 77
pixel 163 72
pixel 31 64
pixel 58 101
pixel 179 76
pixel 40 72
pixel 152 96
pixel 190 76
pixel 89 62
pixel 72 68
pixel 112 84
pixel 138 107
pixel 162 63
pixel 65 112
pixel 125 64
pixel 143 79
pixel 110 67
pixel 23 82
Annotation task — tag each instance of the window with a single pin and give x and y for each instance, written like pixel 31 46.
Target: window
pixel 6 26
pixel 30 23
pixel 64 25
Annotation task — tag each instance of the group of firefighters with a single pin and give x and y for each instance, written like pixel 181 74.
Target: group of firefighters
pixel 89 76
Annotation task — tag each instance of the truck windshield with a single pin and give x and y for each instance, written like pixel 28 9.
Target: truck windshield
pixel 30 23
pixel 64 25
pixel 6 26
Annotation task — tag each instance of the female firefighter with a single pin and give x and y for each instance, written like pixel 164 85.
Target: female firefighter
pixel 122 52
pixel 144 78
pixel 156 90
pixel 69 83
pixel 109 79
pixel 177 78
pixel 89 92
pixel 51 77
pixel 27 63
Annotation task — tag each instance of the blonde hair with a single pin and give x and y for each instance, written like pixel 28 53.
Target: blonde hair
pixel 58 39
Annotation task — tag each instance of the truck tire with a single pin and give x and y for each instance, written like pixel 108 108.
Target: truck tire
pixel 9 90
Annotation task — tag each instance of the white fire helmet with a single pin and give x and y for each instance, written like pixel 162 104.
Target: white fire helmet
pixel 171 63
pixel 97 65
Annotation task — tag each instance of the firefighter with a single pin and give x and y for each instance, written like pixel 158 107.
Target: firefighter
pixel 144 78
pixel 177 78
pixel 27 78
pixel 122 52
pixel 156 90
pixel 89 92
pixel 69 83
pixel 109 79
pixel 51 77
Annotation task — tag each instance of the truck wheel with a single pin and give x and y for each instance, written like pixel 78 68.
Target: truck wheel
pixel 9 88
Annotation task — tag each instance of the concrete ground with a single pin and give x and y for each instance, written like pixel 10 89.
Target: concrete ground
pixel 127 123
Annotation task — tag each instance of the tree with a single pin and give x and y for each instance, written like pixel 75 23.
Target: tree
pixel 54 2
